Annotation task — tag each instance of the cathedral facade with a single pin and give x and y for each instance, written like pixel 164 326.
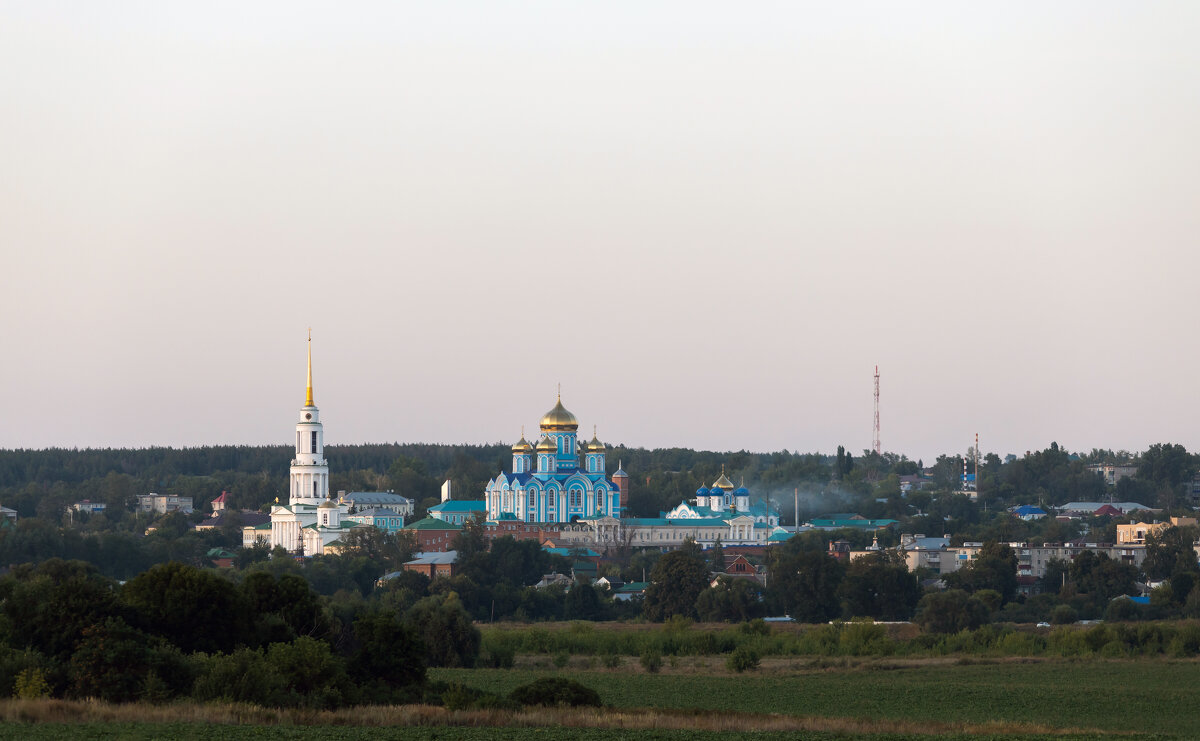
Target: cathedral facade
pixel 559 479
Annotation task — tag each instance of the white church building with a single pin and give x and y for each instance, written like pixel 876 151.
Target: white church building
pixel 310 524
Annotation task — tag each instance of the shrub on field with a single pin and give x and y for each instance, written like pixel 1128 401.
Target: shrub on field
pixel 1021 644
pixel 457 696
pixel 555 691
pixel 612 661
pixel 864 639
pixel 31 684
pixel 651 660
pixel 446 629
pixel 1114 650
pixel 1066 642
pixel 677 624
pixel 1186 642
pixel 1122 609
pixel 950 612
pixel 498 657
pixel 561 658
pixel 742 659
pixel 1098 635
pixel 757 626
pixel 1063 615
pixel 242 676
pixel 14 663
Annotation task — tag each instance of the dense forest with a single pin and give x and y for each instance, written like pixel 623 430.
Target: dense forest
pixel 43 483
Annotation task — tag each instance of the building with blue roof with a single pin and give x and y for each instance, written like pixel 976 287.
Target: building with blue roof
pixel 725 501
pixel 559 479
pixel 1028 512
pixel 457 511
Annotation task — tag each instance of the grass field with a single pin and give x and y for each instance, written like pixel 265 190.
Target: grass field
pixel 1141 696
pixel 187 732
pixel 898 697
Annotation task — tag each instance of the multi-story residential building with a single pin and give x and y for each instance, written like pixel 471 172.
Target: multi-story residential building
pixel 1136 532
pixel 163 504
pixel 1113 472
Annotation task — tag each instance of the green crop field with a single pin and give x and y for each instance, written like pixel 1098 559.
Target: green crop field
pixel 1155 697
pixel 192 732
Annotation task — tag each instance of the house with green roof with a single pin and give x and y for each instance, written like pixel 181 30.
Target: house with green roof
pixel 848 521
pixel 434 534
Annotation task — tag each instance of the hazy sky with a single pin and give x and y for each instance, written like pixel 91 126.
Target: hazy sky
pixel 708 221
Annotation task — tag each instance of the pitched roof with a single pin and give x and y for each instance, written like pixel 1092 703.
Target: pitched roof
pixel 376 512
pixel 432 523
pixel 433 557
pixel 576 552
pixel 634 586
pixel 376 498
pixel 460 505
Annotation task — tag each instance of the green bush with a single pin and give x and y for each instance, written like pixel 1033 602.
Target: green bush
pixel 742 659
pixel 31 684
pixel 651 660
pixel 1063 615
pixel 458 697
pixel 555 691
pixel 1122 609
pixel 498 657
pixel 561 658
pixel 1114 650
pixel 612 661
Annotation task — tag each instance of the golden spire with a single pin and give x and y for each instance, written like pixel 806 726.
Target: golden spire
pixel 308 400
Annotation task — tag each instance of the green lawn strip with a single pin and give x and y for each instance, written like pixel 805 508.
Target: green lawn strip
pixel 197 732
pixel 1113 696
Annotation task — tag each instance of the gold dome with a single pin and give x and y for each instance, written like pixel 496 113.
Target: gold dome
pixel 522 445
pixel 559 419
pixel 723 482
pixel 595 446
pixel 546 445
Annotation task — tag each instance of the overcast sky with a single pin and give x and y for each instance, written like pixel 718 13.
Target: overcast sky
pixel 707 221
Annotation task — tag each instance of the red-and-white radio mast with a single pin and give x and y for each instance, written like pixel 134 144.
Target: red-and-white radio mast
pixel 875 434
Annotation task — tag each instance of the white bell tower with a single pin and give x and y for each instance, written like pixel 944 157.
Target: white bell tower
pixel 310 474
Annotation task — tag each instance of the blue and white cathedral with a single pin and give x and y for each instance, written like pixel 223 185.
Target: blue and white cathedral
pixel 559 479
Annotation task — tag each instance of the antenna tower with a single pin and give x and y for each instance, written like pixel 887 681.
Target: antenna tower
pixel 875 432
